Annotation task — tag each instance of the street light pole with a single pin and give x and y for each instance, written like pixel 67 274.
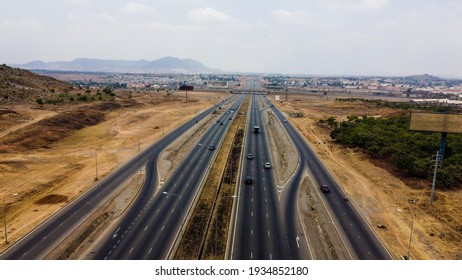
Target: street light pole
pixel 4 217
pixel 410 235
pixel 181 207
pixel 96 165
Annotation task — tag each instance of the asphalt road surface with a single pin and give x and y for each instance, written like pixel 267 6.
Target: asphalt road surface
pixel 258 232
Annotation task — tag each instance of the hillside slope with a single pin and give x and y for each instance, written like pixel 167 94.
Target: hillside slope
pixel 19 85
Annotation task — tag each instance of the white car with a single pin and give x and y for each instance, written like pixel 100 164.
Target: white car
pixel 267 165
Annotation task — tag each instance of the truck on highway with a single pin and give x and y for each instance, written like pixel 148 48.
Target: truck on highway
pixel 256 129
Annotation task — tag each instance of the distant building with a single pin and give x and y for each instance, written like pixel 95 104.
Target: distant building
pixel 218 84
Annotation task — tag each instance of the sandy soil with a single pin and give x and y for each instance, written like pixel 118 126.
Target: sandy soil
pixel 44 180
pixel 382 197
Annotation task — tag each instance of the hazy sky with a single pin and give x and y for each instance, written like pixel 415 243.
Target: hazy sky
pixel 338 37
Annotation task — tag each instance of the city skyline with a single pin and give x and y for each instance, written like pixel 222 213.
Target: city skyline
pixel 332 37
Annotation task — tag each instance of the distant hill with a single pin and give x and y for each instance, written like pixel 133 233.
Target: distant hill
pixel 19 85
pixel 163 65
pixel 424 77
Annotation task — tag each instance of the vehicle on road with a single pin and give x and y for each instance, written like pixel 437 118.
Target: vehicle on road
pixel 256 129
pixel 249 156
pixel 324 188
pixel 211 147
pixel 267 165
pixel 249 180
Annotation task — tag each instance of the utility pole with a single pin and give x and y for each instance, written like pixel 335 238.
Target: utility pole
pixel 438 162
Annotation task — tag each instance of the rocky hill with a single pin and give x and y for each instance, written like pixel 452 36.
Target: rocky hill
pixel 163 65
pixel 19 85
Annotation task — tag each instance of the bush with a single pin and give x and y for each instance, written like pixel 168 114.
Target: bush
pixel 410 152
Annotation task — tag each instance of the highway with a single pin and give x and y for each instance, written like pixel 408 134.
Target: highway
pixel 155 222
pixel 39 242
pixel 359 238
pixel 257 233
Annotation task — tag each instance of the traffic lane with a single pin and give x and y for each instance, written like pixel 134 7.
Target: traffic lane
pixel 127 222
pixel 262 223
pixel 142 224
pixel 185 191
pixel 365 242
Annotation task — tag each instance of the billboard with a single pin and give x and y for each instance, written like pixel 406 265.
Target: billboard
pixel 277 98
pixel 436 122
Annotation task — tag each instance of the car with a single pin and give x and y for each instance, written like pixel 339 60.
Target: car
pixel 230 118
pixel 211 147
pixel 249 156
pixel 267 165
pixel 324 188
pixel 221 123
pixel 248 180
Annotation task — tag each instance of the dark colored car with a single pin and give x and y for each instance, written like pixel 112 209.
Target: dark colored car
pixel 248 180
pixel 324 188
pixel 211 147
pixel 250 156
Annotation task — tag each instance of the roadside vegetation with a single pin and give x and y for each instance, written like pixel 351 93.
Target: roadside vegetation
pixel 435 108
pixel 411 153
pixel 76 97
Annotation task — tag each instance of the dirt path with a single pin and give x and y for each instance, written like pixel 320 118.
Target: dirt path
pixel 27 123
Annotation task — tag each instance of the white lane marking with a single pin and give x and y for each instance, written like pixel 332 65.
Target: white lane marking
pixel 150 251
pixel 162 228
pixel 145 228
pixel 130 251
pixel 251 232
pixel 269 233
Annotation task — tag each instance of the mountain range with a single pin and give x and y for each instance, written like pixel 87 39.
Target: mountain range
pixel 163 65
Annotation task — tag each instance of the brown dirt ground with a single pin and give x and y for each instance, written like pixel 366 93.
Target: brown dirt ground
pixel 382 196
pixel 47 176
